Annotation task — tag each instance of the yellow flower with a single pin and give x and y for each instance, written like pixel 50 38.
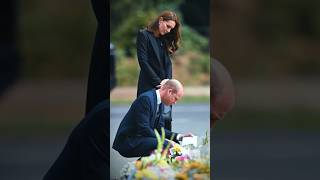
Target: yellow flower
pixel 177 148
pixel 138 165
pixel 200 176
pixel 181 176
pixel 201 168
pixel 193 165
pixel 145 174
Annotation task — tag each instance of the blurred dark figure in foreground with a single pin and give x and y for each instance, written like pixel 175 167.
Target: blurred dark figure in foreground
pixel 86 153
pixel 9 54
pixel 113 78
pixel 98 80
pixel 222 99
pixel 222 95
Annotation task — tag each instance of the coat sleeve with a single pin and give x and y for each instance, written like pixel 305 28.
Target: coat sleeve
pixel 143 117
pixel 144 59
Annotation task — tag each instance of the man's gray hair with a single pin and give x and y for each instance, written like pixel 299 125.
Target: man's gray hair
pixel 173 84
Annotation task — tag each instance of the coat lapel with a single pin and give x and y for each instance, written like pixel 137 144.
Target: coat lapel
pixel 161 107
pixel 154 114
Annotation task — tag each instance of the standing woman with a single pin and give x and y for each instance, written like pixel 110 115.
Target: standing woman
pixel 155 45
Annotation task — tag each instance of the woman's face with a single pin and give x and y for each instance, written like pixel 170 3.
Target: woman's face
pixel 165 26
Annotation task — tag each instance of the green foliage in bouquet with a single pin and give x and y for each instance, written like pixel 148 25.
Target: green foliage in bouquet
pixel 159 156
pixel 206 139
pixel 161 141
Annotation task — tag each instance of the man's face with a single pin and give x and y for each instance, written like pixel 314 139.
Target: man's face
pixel 165 26
pixel 172 97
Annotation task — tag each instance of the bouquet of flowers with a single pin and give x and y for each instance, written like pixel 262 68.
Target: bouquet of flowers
pixel 177 162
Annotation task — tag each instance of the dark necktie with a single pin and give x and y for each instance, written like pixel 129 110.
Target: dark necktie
pixel 158 115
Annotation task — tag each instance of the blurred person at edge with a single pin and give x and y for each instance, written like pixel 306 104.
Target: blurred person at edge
pixel 85 155
pixel 222 95
pixel 155 44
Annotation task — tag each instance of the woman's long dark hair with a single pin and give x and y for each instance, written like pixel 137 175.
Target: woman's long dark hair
pixel 171 39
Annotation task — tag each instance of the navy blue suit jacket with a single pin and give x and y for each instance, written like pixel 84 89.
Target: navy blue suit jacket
pixel 139 123
pixel 153 69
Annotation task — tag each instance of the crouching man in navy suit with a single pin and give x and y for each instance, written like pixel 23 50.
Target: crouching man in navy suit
pixel 135 136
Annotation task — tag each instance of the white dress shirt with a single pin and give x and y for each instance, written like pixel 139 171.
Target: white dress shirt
pixel 158 96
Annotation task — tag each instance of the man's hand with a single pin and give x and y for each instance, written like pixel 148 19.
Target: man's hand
pixel 181 136
pixel 162 83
